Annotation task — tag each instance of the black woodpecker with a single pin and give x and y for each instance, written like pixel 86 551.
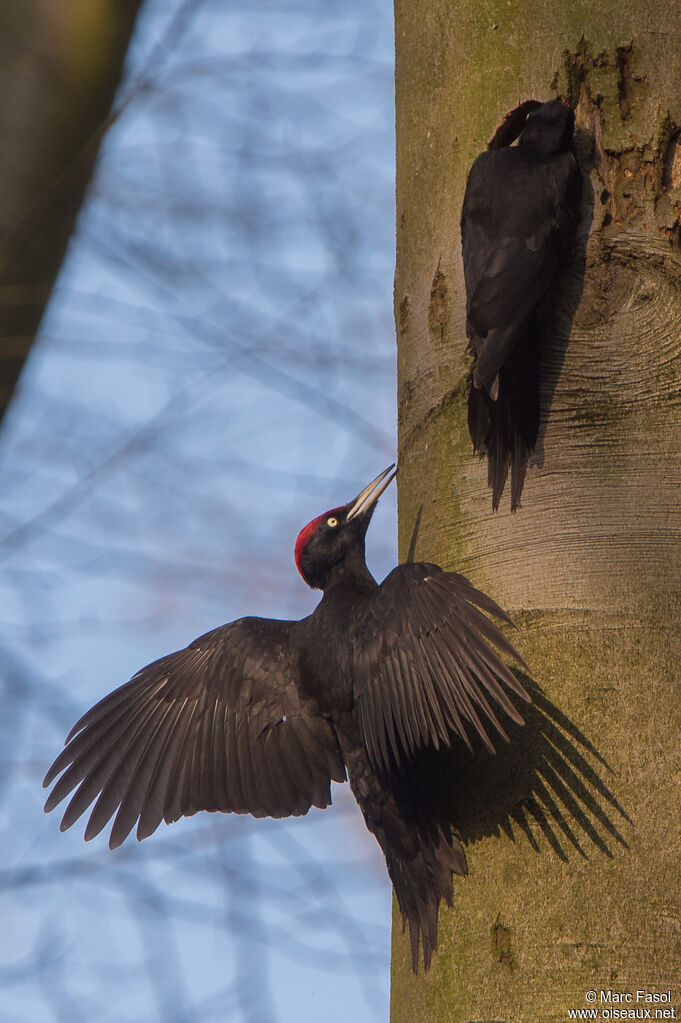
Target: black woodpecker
pixel 518 220
pixel 259 716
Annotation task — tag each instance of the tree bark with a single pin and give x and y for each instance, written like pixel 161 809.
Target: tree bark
pixel 572 834
pixel 60 64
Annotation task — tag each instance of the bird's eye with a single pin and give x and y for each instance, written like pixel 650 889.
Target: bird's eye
pixel 332 521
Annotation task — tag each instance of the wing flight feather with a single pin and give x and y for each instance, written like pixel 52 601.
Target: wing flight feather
pixel 427 667
pixel 219 725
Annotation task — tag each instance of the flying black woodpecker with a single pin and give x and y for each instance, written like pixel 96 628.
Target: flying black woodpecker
pixel 259 716
pixel 518 219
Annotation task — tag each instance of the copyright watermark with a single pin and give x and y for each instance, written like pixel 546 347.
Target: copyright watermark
pixel 607 1003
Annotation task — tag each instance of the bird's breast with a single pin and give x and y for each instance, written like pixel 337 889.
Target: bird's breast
pixel 325 652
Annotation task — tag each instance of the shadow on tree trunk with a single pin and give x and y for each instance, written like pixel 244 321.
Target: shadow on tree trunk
pixel 564 297
pixel 548 777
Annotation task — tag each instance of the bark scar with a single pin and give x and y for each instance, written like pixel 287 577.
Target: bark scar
pixel 634 147
pixel 500 944
pixel 438 306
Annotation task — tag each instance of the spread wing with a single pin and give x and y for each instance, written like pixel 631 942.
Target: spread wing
pixel 424 666
pixel 219 725
pixel 517 219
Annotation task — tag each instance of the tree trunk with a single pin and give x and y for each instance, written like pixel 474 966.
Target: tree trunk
pixel 572 834
pixel 60 64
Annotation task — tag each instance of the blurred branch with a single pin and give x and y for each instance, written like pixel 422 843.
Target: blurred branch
pixel 60 66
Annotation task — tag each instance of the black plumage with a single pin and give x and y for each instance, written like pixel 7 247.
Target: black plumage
pixel 519 214
pixel 259 716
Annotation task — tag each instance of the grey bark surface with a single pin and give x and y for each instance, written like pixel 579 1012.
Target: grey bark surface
pixel 572 835
pixel 60 64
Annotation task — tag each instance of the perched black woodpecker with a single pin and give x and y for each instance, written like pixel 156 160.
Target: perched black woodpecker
pixel 518 219
pixel 259 716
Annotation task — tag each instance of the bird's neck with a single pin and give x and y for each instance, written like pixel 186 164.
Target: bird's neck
pixel 351 574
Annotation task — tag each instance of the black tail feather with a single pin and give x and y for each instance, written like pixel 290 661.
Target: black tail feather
pixel 421 882
pixel 506 429
pixel 406 813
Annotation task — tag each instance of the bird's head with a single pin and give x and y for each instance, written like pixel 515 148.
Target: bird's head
pixel 332 545
pixel 549 129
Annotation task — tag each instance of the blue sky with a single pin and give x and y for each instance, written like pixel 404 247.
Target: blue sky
pixel 216 368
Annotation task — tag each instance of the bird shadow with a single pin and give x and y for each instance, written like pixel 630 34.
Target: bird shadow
pixel 549 778
pixel 564 297
pixel 414 535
